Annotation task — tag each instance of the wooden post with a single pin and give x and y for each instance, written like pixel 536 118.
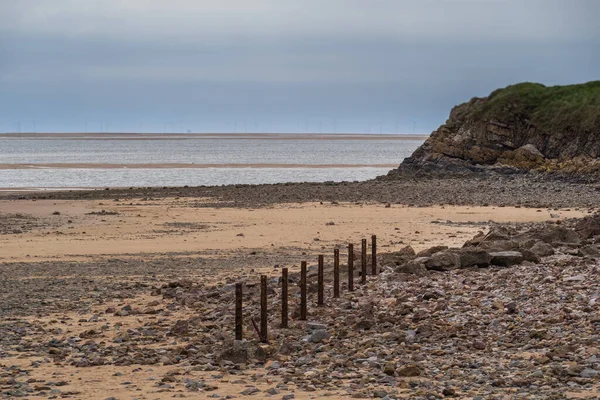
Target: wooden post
pixel 303 291
pixel 263 309
pixel 238 312
pixel 363 261
pixel 336 273
pixel 320 282
pixel 374 255
pixel 351 267
pixel 284 298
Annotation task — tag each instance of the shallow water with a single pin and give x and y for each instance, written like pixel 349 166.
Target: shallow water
pixel 197 151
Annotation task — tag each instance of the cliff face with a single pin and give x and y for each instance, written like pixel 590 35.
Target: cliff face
pixel 522 127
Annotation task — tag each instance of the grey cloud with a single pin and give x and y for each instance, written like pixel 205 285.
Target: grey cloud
pixel 209 63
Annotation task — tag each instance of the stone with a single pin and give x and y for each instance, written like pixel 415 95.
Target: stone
pixel 479 345
pixel 237 353
pixel 443 261
pixel 414 267
pixel 250 391
pixel 318 336
pixel 542 249
pixel 474 258
pixel 431 251
pixel 316 326
pixel 180 328
pixel 590 251
pixel 408 370
pixel 389 368
pixel 506 258
pixel 588 373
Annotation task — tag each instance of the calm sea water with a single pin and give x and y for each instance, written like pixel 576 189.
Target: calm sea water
pixel 197 151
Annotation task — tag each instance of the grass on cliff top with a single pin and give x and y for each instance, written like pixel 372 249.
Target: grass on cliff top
pixel 574 108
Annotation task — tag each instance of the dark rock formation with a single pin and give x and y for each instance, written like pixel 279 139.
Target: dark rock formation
pixel 520 128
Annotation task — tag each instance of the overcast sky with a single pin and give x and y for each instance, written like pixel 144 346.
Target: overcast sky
pixel 278 65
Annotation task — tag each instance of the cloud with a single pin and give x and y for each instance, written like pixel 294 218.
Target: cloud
pixel 353 59
pixel 210 21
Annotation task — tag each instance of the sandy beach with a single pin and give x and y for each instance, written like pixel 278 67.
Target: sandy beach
pixel 92 256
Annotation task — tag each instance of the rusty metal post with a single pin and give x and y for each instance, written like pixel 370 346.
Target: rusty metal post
pixel 238 312
pixel 336 273
pixel 264 336
pixel 363 261
pixel 284 298
pixel 374 255
pixel 320 283
pixel 351 267
pixel 303 291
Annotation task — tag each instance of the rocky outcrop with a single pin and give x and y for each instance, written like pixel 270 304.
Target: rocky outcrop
pixel 519 128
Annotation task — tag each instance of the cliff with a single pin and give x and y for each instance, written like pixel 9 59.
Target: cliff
pixel 522 127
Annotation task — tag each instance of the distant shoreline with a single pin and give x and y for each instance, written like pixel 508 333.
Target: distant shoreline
pixel 224 136
pixel 182 165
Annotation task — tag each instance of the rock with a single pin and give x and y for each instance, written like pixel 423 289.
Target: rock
pixel 414 267
pixel 588 373
pixel 181 328
pixel 589 226
pixel 449 392
pixel 590 251
pixel 315 326
pixel 506 258
pixel 474 258
pixel 443 261
pixel 237 353
pixel 389 368
pixel 399 257
pixel 409 370
pixel 250 391
pixel 318 336
pixel 576 278
pixel 431 251
pixel 511 308
pixel 479 345
pixel 514 129
pixel 551 234
pixel 542 249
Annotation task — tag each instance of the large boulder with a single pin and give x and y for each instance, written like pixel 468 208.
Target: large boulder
pixel 399 257
pixel 443 261
pixel 506 258
pixel 414 267
pixel 551 234
pixel 542 249
pixel 473 257
pixel 431 251
pixel 589 226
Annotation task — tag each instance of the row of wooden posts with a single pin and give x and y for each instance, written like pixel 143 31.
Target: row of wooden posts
pixel 262 331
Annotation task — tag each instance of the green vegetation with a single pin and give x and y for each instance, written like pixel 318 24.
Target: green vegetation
pixel 573 108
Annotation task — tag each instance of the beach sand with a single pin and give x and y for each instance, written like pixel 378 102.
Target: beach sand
pixel 72 242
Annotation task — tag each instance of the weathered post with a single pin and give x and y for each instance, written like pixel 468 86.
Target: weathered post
pixel 238 312
pixel 336 273
pixel 351 267
pixel 303 291
pixel 284 298
pixel 320 283
pixel 374 255
pixel 263 309
pixel 363 261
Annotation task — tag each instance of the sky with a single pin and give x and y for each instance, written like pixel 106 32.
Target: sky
pixel 365 66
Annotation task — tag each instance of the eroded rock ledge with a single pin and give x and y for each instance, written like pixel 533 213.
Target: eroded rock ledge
pixel 524 127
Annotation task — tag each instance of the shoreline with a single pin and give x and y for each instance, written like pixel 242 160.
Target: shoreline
pixel 9 166
pixel 223 136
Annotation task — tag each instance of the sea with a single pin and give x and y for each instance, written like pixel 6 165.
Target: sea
pixel 39 162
